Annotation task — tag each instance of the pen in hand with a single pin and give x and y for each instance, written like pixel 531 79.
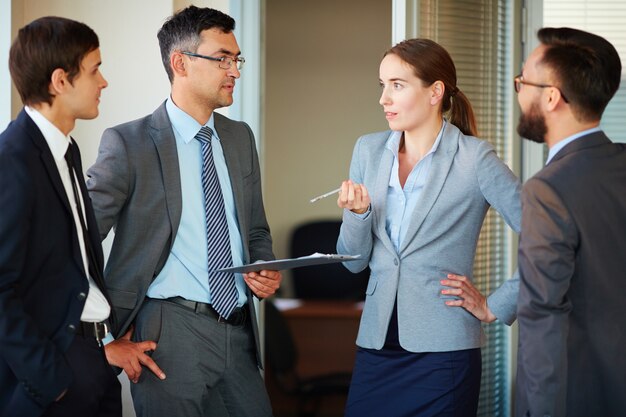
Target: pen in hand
pixel 319 197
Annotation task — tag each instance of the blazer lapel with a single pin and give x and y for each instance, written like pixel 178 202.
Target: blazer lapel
pixel 439 169
pixel 46 156
pixel 53 174
pixel 234 170
pixel 163 137
pixel 55 178
pixel 379 198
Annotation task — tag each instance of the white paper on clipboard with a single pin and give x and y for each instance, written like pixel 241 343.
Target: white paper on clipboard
pixel 282 264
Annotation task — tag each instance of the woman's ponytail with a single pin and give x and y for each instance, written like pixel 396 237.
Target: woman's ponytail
pixel 461 113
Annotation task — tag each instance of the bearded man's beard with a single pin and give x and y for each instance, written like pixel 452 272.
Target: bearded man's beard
pixel 532 125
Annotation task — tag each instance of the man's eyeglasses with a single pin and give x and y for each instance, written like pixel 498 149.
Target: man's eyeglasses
pixel 518 81
pixel 225 62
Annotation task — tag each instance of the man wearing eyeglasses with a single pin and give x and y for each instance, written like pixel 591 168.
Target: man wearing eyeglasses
pixel 572 251
pixel 182 189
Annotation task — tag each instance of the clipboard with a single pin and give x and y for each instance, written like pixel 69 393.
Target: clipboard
pixel 282 264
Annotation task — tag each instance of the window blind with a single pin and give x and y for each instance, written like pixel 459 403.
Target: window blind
pixel 606 18
pixel 477 35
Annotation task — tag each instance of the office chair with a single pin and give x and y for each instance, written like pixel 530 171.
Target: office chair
pixel 282 358
pixel 331 281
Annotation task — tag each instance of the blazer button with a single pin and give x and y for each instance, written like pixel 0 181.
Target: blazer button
pixel 395 262
pixel 71 328
pixel 81 296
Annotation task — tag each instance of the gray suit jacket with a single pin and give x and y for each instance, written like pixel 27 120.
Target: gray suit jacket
pixel 466 178
pixel 572 258
pixel 135 188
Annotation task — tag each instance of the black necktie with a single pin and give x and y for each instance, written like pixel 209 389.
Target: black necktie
pixel 91 258
pixel 94 271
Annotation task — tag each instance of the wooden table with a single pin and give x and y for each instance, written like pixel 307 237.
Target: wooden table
pixel 324 333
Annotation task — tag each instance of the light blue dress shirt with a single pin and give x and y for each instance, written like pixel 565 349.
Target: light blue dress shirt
pixel 185 273
pixel 556 148
pixel 401 201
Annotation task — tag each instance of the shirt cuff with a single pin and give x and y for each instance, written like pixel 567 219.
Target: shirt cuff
pixel 107 339
pixel 362 216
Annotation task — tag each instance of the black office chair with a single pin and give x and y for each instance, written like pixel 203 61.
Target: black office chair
pixel 331 281
pixel 282 358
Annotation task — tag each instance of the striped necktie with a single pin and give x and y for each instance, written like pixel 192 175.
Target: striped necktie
pixel 221 284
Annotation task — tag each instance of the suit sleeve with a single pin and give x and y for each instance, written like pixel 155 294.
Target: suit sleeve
pixel 108 181
pixel 33 358
pixel 546 257
pixel 501 188
pixel 259 237
pixel 355 235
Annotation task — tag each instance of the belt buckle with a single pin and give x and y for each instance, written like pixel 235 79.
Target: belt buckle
pixel 221 319
pixel 97 328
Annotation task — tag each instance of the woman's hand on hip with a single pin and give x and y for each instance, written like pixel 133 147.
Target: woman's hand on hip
pixel 470 298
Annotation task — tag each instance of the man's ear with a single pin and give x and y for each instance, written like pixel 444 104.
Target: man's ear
pixel 437 90
pixel 58 82
pixel 178 64
pixel 552 98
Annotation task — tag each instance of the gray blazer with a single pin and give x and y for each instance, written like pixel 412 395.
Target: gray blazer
pixel 466 177
pixel 135 188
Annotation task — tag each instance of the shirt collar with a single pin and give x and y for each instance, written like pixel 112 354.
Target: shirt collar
pixel 186 126
pixel 393 143
pixel 57 141
pixel 556 148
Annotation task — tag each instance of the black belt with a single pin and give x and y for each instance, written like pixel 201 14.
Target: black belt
pixel 237 318
pixel 90 329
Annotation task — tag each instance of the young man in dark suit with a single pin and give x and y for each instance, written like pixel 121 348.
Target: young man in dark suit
pixel 572 250
pixel 54 307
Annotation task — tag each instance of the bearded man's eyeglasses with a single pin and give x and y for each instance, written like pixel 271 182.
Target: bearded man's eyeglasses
pixel 519 80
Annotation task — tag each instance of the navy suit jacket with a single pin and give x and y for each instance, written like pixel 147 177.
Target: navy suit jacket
pixel 43 286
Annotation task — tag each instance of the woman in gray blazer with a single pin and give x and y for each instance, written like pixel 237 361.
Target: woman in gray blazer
pixel 413 209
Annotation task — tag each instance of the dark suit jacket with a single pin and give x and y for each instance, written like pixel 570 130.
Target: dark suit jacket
pixel 135 187
pixel 572 257
pixel 43 286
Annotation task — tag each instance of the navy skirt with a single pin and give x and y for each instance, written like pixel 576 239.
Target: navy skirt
pixel 393 382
